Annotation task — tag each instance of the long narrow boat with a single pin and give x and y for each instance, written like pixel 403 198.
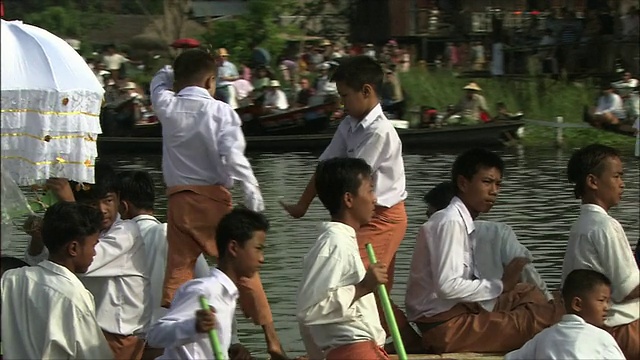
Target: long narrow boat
pixel 490 134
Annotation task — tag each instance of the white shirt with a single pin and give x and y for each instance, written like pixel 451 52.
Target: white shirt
pixel 571 338
pixel 118 279
pixel 227 69
pixel 154 235
pixel 202 139
pixel 375 140
pixel 325 312
pixel 114 62
pixel 611 103
pixel 597 242
pixel 176 331
pixel 497 246
pixel 443 271
pixel 48 314
pixel 276 99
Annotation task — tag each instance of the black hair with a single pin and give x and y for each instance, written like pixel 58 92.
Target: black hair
pixel 358 71
pixel 471 161
pixel 10 263
pixel 193 63
pixel 239 225
pixel 338 176
pixel 580 282
pixel 68 221
pixel 440 196
pixel 106 182
pixel 138 188
pixel 501 105
pixel 589 160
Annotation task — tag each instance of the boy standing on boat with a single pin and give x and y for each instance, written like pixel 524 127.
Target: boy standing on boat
pixel 336 307
pixel 597 241
pixel 240 238
pixel 579 335
pixel 202 155
pixel 46 311
pixel 456 309
pixel 367 134
pixel 117 277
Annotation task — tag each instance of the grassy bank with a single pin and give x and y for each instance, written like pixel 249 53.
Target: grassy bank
pixel 540 99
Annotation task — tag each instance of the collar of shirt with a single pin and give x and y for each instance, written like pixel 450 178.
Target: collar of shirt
pixel 195 91
pixel 572 318
pixel 62 271
pixel 146 217
pixel 226 282
pixel 592 208
pixel 371 117
pixel 464 213
pixel 338 227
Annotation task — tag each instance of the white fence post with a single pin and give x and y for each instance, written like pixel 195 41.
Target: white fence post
pixel 559 132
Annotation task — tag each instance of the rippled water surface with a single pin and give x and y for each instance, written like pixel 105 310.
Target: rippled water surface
pixel 535 200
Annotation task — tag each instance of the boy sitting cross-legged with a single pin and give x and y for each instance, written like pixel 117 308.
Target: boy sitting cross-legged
pixel 336 308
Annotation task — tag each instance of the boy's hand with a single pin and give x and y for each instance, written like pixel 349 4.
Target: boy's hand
pixel 513 272
pixel 296 211
pixel 239 352
pixel 205 320
pixel 61 189
pixel 376 275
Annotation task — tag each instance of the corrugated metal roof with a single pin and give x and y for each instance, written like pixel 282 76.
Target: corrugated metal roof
pixel 217 8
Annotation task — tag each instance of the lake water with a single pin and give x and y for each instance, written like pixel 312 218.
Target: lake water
pixel 535 200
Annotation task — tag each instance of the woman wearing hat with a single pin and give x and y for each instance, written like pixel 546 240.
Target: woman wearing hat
pixel 275 98
pixel 472 106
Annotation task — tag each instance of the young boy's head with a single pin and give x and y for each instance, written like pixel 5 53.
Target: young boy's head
pixel 345 188
pixel 587 293
pixel 358 79
pixel 439 197
pixel 476 177
pixel 240 238
pixel 104 195
pixel 195 67
pixel 596 170
pixel 137 194
pixel 70 231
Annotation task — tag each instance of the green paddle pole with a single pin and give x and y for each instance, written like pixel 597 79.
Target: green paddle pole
pixel 213 335
pixel 388 311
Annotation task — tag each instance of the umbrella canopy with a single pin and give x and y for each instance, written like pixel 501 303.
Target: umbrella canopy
pixel 185 43
pixel 260 57
pixel 51 102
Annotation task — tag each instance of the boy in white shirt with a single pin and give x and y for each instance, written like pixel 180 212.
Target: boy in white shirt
pixel 598 242
pixel 336 306
pixel 579 335
pixel 454 306
pixel 202 156
pixel 117 277
pixel 46 311
pixel 183 331
pixel 500 243
pixel 366 133
pixel 137 197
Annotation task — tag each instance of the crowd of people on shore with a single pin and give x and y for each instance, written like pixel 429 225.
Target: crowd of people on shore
pixel 108 280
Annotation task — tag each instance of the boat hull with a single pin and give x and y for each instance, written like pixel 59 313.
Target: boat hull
pixel 490 134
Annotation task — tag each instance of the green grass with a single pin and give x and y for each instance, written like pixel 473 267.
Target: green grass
pixel 539 99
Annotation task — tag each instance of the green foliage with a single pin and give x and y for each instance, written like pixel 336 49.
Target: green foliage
pixel 67 21
pixel 539 99
pixel 260 26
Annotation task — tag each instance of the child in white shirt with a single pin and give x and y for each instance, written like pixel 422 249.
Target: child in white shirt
pixel 579 335
pixel 336 308
pixel 240 238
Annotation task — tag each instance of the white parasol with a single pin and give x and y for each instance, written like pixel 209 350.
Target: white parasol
pixel 51 103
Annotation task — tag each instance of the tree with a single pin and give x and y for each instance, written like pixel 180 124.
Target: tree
pixel 260 26
pixel 329 15
pixel 68 21
pixel 175 15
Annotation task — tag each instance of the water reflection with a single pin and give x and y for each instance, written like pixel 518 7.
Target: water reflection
pixel 535 200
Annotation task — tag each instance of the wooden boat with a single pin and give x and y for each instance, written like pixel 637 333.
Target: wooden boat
pixel 451 356
pixel 489 134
